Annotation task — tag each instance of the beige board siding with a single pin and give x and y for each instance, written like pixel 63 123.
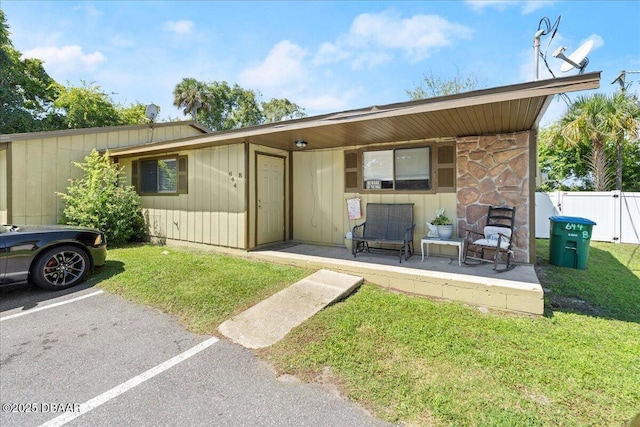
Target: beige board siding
pixel 318 196
pixel 320 207
pixel 213 211
pixel 42 167
pixel 4 218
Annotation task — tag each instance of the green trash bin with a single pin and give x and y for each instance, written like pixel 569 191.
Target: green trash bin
pixel 569 241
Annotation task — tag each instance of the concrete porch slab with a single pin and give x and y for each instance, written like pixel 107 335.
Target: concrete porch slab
pixel 517 290
pixel 270 320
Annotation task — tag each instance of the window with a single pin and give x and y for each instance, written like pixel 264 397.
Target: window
pixel 413 169
pixel 429 168
pixel 399 169
pixel 160 176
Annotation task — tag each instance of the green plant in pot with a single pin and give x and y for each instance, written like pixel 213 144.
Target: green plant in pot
pixel 445 228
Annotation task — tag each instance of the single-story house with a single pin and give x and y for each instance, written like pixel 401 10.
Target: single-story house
pixel 290 180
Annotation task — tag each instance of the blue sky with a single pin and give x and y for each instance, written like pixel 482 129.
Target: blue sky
pixel 324 56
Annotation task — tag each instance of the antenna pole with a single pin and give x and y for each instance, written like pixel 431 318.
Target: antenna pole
pixel 536 50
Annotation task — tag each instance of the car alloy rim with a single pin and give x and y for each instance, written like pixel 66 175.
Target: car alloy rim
pixel 64 268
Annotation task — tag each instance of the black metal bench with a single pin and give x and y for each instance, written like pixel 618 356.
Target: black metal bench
pixel 386 223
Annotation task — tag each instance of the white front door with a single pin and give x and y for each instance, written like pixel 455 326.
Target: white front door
pixel 270 199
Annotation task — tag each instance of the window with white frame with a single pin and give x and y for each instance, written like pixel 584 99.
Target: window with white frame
pixel 397 169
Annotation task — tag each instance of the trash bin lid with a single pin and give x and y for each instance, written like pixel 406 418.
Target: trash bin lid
pixel 572 219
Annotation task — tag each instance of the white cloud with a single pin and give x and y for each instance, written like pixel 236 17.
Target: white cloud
pixel 598 41
pixel 373 38
pixel 330 53
pixel 481 5
pixel 327 102
pixel 500 5
pixel 66 58
pixel 282 66
pixel 121 41
pixel 531 6
pixel 88 9
pixel 180 27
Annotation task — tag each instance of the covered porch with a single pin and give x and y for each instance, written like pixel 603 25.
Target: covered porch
pixel 438 276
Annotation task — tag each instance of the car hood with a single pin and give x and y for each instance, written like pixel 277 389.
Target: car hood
pixel 41 228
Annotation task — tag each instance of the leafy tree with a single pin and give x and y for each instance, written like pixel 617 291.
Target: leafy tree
pixel 601 120
pixel 566 166
pixel 134 114
pixel 232 107
pixel 623 124
pixel 102 200
pixel 631 167
pixel 222 107
pixel 87 106
pixel 583 144
pixel 281 109
pixel 26 90
pixel 433 85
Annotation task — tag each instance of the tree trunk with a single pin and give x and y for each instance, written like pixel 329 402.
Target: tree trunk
pixel 599 168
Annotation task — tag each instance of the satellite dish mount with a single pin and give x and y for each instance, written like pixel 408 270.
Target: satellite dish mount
pixel 577 59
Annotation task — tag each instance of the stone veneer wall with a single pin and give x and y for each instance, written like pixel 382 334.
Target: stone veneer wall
pixel 494 170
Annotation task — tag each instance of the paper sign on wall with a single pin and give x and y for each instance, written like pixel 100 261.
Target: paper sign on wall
pixel 353 208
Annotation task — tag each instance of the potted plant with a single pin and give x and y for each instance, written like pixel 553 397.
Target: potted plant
pixel 445 228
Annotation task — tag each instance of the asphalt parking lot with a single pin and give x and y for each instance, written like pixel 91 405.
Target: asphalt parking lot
pixel 83 357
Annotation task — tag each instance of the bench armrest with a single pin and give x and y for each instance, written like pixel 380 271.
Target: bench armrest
pixel 358 230
pixel 408 233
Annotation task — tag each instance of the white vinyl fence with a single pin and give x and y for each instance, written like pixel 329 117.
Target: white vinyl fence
pixel 617 214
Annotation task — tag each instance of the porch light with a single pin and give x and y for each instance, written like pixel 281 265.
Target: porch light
pixel 301 144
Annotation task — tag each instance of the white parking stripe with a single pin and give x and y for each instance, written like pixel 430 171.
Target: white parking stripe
pixel 118 390
pixel 57 304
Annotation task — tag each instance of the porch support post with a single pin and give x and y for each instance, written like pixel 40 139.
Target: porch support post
pixel 496 170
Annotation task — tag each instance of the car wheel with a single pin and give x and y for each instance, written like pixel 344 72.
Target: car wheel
pixel 60 267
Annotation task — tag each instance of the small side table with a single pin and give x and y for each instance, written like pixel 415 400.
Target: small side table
pixel 458 242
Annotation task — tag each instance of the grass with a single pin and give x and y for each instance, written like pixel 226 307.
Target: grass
pixel 417 361
pixel 609 287
pixel 202 289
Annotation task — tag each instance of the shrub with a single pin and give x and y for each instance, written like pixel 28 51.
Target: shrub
pixel 102 200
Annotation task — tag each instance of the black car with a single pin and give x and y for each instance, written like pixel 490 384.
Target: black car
pixel 51 256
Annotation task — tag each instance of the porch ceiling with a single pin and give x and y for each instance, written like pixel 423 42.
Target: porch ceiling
pixel 504 109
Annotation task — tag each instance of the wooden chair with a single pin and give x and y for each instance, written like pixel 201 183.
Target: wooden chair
pixel 496 238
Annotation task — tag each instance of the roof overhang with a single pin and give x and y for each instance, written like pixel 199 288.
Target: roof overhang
pixel 5 138
pixel 500 110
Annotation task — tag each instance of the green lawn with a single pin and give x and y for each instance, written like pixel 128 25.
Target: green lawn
pixel 610 286
pixel 202 289
pixel 418 361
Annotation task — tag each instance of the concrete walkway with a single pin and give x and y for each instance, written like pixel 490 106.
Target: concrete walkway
pixel 270 320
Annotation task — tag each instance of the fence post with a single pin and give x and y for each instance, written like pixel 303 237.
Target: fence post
pixel 617 215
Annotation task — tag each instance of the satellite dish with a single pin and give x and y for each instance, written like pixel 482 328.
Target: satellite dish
pixel 151 112
pixel 577 59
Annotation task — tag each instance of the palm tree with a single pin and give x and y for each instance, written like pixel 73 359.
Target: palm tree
pixel 623 123
pixel 603 120
pixel 191 95
pixel 586 120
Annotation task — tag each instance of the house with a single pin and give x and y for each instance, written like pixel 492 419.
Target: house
pixel 290 180
pixel 35 166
